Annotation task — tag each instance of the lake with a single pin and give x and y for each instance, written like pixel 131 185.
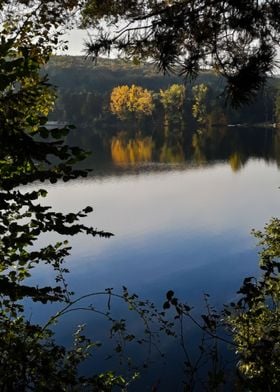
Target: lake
pixel 182 224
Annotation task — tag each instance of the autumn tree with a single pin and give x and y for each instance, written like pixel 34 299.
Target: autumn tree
pixel 30 153
pixel 118 101
pixel 236 39
pixel 199 109
pixel 239 43
pixel 173 98
pixel 134 100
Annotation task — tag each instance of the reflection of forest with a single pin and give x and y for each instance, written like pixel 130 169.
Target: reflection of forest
pixel 131 151
pixel 180 124
pixel 200 147
pixel 89 93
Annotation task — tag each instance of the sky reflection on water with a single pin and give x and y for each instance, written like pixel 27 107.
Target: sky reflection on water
pixel 186 230
pixel 169 224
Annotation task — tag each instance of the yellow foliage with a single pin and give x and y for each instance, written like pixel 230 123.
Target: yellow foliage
pixel 44 103
pixel 131 152
pixel 119 98
pixel 127 100
pixel 173 97
pixel 199 107
pixel 46 99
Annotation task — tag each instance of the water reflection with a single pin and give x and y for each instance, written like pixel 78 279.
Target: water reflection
pixel 176 144
pixel 186 230
pixel 131 151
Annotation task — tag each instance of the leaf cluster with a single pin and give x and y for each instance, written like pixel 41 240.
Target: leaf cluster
pixel 30 152
pixel 255 317
pixel 135 100
pixel 236 39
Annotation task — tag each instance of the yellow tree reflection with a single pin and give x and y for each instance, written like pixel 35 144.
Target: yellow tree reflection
pixel 132 151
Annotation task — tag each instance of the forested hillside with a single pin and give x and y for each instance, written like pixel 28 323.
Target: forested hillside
pixel 85 88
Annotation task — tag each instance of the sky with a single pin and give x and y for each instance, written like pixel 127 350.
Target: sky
pixel 77 37
pixel 75 40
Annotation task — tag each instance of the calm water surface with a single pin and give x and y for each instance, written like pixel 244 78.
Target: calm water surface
pixel 186 229
pixel 175 226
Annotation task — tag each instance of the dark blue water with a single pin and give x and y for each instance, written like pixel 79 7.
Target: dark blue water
pixel 182 228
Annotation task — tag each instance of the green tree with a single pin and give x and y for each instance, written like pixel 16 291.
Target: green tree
pixel 199 109
pixel 173 98
pixel 255 318
pixel 238 40
pixel 29 357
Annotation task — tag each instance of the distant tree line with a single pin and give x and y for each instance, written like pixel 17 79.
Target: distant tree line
pixel 32 153
pixel 85 94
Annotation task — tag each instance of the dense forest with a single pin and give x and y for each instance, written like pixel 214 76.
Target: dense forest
pixel 85 88
pixel 127 113
pixel 130 100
